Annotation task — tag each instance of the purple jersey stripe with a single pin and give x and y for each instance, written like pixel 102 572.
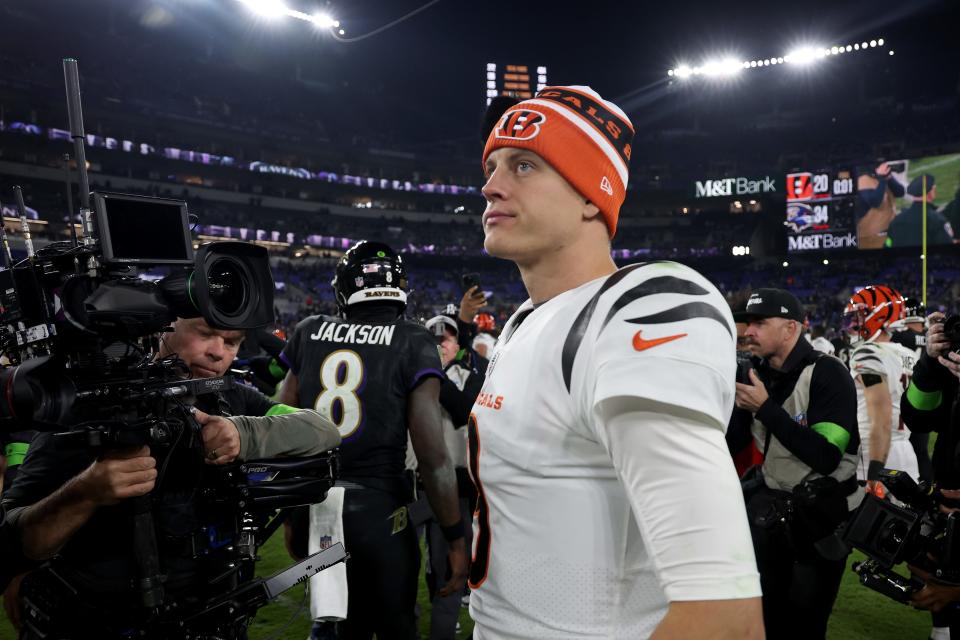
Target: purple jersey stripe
pixel 423 373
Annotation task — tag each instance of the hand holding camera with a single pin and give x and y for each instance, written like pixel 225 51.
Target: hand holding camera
pixel 117 475
pixel 221 438
pixel 943 340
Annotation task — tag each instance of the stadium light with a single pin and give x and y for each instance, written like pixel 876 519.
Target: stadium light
pixel 804 55
pixel 274 9
pixel 720 68
pixel 267 8
pixel 800 56
pixel 323 21
pixel 786 264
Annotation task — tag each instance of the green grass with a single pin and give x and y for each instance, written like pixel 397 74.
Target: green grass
pixel 859 613
pixel 946 170
pixel 287 609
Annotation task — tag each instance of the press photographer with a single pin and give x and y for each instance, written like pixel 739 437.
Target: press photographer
pixel 12 560
pixel 929 405
pixel 82 517
pixel 136 498
pixel 800 407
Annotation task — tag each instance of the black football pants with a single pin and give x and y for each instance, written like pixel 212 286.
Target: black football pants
pixel 383 568
pixel 798 593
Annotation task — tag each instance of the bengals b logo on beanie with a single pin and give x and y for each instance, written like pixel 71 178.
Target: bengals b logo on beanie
pixel 584 137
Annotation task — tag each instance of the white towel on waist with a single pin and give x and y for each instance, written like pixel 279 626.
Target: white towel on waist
pixel 328 589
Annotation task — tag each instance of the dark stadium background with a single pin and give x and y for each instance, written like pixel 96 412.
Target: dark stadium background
pixel 406 105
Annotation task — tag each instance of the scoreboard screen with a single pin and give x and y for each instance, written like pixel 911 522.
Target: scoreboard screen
pixel 820 212
pixel 517 80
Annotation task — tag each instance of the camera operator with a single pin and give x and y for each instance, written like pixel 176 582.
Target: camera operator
pixel 11 555
pixel 800 406
pixel 930 405
pixel 79 515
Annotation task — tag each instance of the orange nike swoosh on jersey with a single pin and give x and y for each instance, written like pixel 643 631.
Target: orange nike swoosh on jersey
pixel 642 345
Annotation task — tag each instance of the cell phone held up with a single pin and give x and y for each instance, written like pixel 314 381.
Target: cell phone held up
pixel 470 280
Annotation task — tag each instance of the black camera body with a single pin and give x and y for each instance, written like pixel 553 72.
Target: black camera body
pixel 951 331
pixel 914 532
pixel 80 326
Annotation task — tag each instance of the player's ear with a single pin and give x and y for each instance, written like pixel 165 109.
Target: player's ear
pixel 590 210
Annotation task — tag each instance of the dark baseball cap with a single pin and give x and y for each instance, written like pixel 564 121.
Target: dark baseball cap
pixel 915 188
pixel 770 303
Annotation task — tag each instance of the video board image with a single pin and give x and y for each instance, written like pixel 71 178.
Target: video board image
pixel 890 197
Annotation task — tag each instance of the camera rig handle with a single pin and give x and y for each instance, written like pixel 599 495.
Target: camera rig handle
pixel 246 599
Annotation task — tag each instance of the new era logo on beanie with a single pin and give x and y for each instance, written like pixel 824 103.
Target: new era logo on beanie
pixel 585 138
pixel 605 186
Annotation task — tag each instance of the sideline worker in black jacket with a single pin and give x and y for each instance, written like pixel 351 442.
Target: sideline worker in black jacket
pixel 800 406
pixel 929 404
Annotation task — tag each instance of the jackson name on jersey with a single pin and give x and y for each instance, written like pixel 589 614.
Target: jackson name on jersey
pixel 576 536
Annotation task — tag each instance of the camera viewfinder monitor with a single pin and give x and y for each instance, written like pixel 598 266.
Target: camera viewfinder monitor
pixel 142 230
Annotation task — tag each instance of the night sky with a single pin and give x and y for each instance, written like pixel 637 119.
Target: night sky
pixel 435 61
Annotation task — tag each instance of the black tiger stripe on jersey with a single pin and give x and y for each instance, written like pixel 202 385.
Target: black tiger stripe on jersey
pixel 859 360
pixel 662 284
pixel 572 344
pixel 686 311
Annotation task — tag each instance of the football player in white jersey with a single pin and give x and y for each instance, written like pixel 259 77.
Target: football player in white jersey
pixel 608 503
pixel 881 370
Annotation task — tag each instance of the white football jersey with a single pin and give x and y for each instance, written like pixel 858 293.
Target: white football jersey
pixel 895 363
pixel 586 526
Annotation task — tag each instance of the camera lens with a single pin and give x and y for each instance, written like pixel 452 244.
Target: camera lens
pixel 891 538
pixel 228 287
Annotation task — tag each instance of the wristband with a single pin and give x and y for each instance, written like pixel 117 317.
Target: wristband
pixel 452 532
pixel 874 469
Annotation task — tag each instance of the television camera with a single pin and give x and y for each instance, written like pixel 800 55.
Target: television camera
pixel 916 532
pixel 80 329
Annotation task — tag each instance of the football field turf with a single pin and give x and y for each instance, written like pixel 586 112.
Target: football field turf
pixel 860 614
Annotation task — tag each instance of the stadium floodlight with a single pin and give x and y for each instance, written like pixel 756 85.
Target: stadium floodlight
pixel 825 261
pixel 323 21
pixel 803 55
pixel 720 68
pixel 267 8
pixel 786 264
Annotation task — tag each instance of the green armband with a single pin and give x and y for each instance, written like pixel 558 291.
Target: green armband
pixel 277 370
pixel 834 433
pixel 16 452
pixel 281 410
pixel 923 400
